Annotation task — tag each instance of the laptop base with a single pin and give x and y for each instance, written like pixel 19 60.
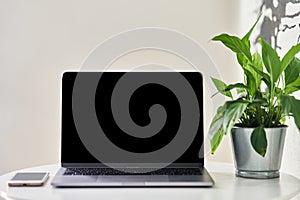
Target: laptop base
pixel 61 180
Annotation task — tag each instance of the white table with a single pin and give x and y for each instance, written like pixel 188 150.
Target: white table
pixel 227 186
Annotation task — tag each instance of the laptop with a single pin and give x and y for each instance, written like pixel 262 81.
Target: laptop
pixel 132 129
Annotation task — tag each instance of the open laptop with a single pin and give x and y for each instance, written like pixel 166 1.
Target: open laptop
pixel 132 129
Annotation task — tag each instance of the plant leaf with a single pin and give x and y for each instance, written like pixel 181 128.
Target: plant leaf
pixel 291 73
pixel 291 107
pixel 242 92
pixel 245 39
pixel 235 44
pixel 251 83
pixel 216 140
pixel 222 123
pixel 260 101
pixel 216 122
pixel 293 87
pixel 236 85
pixel 215 132
pixel 221 86
pixel 233 112
pixel 256 63
pixel 240 57
pixel 259 140
pixel 265 77
pixel 289 56
pixel 271 61
pixel 242 60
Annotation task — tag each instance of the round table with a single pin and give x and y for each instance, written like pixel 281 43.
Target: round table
pixel 227 186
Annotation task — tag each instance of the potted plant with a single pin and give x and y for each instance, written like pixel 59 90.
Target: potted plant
pixel 256 112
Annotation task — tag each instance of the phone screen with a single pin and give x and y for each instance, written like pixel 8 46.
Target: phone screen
pixel 28 176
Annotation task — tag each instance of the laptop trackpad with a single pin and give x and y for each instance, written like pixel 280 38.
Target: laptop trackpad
pixel 132 179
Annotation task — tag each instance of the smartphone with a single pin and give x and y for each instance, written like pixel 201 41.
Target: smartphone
pixel 29 179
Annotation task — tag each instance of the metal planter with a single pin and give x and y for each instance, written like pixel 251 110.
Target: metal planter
pixel 248 162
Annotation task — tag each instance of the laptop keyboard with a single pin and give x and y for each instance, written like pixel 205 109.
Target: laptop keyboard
pixel 132 171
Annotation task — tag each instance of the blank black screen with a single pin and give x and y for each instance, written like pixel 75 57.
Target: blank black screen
pixel 74 151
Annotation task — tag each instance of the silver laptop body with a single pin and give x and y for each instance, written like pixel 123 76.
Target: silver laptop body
pixel 98 150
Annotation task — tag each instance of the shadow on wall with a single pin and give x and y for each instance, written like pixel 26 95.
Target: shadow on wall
pixel 272 25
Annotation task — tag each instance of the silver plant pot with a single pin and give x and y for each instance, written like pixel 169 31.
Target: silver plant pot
pixel 248 162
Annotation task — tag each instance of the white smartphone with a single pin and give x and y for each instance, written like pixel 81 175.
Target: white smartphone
pixel 29 179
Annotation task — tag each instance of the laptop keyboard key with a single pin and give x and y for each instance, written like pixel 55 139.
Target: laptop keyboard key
pixel 132 171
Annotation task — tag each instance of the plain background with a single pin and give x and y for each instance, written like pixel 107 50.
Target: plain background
pixel 41 39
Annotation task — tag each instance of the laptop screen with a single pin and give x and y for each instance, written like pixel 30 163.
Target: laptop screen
pixel 132 117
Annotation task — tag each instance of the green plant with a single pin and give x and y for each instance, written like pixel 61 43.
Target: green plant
pixel 264 99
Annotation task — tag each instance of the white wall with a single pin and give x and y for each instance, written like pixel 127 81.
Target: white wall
pixel 40 39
